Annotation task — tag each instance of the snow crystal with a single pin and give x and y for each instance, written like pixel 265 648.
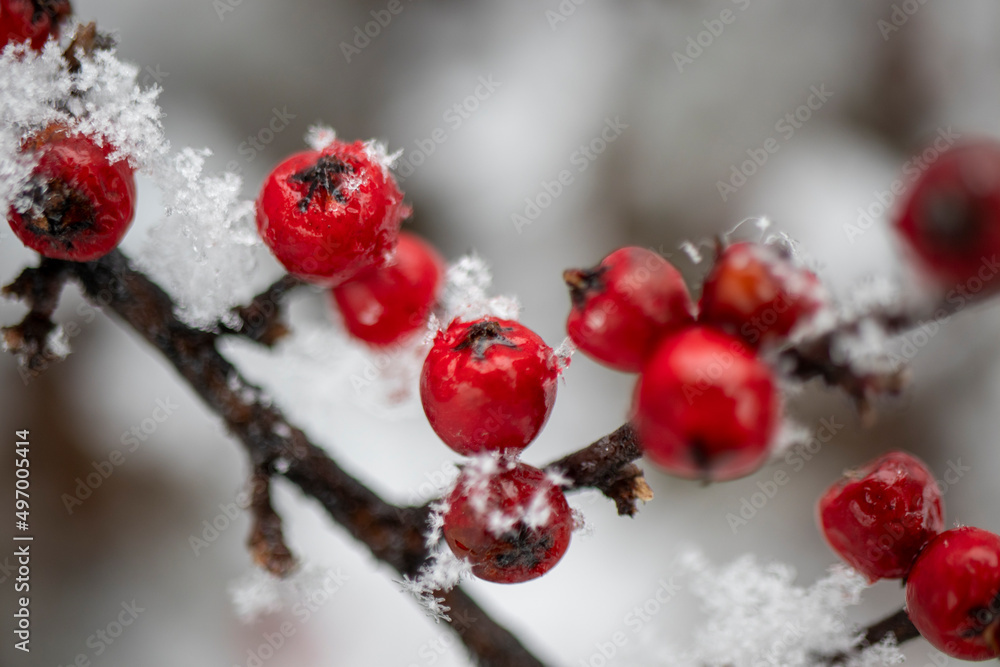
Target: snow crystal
pixel 319 137
pixel 259 593
pixel 57 343
pixel 442 571
pixel 755 614
pixel 204 251
pixel 563 355
pixel 789 434
pixel 466 293
pixel 378 152
pixel 691 250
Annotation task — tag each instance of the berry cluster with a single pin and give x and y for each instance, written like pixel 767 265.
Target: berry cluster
pixel 706 407
pixel 332 218
pixel 886 519
pixel 488 387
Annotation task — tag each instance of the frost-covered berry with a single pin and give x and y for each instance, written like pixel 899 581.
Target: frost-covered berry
pixel 511 525
pixel 78 204
pixel 756 292
pixel 382 306
pixel 705 406
pixel 31 20
pixel 488 385
pixel 328 215
pixel 953 593
pixel 623 306
pixel 879 516
pixel 951 214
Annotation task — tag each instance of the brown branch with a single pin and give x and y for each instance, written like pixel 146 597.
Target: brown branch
pixel 29 340
pixel 607 466
pixel 260 320
pixel 898 624
pixel 267 540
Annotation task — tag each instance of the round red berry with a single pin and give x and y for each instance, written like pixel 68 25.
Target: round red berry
pixel 756 292
pixel 382 306
pixel 951 214
pixel 31 20
pixel 488 385
pixel 328 215
pixel 705 406
pixel 78 204
pixel 623 306
pixel 879 516
pixel 953 593
pixel 511 526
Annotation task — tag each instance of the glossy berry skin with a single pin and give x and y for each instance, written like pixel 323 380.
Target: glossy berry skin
pixel 951 214
pixel 623 306
pixel 705 407
pixel 81 203
pixel 31 20
pixel 953 593
pixel 488 385
pixel 329 215
pixel 754 291
pixel 383 306
pixel 511 526
pixel 879 516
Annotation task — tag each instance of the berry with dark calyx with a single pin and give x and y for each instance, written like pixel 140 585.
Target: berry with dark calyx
pixel 953 593
pixel 382 306
pixel 488 385
pixel 756 292
pixel 706 407
pixel 511 525
pixel 951 214
pixel 78 204
pixel 329 215
pixel 623 306
pixel 31 20
pixel 879 516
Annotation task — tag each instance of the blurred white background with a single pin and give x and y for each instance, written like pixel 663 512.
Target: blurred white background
pixel 559 73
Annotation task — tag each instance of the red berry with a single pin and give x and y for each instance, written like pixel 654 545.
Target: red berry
pixel 953 593
pixel 879 516
pixel 381 306
pixel 488 385
pixel 80 203
pixel 328 215
pixel 34 20
pixel 754 291
pixel 705 407
pixel 511 526
pixel 951 215
pixel 623 306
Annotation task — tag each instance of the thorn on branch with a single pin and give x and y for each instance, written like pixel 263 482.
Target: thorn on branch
pixel 267 540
